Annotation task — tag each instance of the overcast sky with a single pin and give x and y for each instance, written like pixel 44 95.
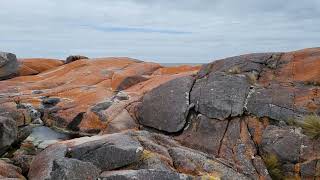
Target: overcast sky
pixel 188 31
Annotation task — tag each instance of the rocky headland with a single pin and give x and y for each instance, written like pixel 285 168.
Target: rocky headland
pixel 253 116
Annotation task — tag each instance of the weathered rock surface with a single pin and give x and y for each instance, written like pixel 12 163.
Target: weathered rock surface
pixel 8 133
pixel 9 171
pixel 8 65
pixel 108 152
pixel 166 107
pixel 73 169
pixel 42 165
pixel 224 122
pixel 220 95
pixel 143 174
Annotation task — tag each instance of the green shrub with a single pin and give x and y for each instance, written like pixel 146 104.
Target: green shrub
pixel 311 126
pixel 273 166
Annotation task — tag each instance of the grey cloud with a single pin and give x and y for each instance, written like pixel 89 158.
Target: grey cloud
pixel 154 30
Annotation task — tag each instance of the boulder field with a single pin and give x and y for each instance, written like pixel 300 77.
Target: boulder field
pixel 241 117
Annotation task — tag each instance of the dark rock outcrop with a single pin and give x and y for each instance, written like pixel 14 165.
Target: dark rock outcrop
pixel 8 65
pixel 166 107
pixel 73 169
pixel 73 58
pixel 108 152
pixel 8 133
pixel 220 95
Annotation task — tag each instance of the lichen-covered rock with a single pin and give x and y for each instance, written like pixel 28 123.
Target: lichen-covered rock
pixel 220 95
pixel 166 107
pixel 37 65
pixel 144 174
pixel 8 65
pixel 8 133
pixel 73 169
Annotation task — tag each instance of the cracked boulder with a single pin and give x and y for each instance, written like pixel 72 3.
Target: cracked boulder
pixel 9 65
pixel 275 104
pixel 220 95
pixel 166 107
pixel 204 134
pixel 8 133
pixel 73 169
pixel 107 152
pixel 42 164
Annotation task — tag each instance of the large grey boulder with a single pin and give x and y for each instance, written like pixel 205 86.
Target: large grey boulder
pixel 143 174
pixel 220 95
pixel 108 152
pixel 166 107
pixel 275 102
pixel 73 169
pixel 42 164
pixel 8 133
pixel 8 65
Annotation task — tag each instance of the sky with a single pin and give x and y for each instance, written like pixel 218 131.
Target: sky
pixel 165 31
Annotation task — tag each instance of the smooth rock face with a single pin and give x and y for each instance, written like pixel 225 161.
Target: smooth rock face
pixel 220 95
pixel 144 174
pixel 166 107
pixel 8 65
pixel 73 169
pixel 110 152
pixel 8 133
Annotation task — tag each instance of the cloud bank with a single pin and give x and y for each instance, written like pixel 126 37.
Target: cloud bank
pixel 165 31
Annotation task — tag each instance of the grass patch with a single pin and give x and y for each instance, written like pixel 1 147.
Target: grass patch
pixel 273 166
pixel 311 126
pixel 234 70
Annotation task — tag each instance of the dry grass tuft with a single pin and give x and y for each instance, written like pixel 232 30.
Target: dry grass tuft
pixel 311 126
pixel 273 166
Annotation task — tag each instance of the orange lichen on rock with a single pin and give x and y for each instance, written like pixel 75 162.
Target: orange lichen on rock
pixel 37 65
pixel 81 85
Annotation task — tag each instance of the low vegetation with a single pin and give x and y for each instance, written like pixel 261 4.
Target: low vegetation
pixel 273 166
pixel 311 126
pixel 234 70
